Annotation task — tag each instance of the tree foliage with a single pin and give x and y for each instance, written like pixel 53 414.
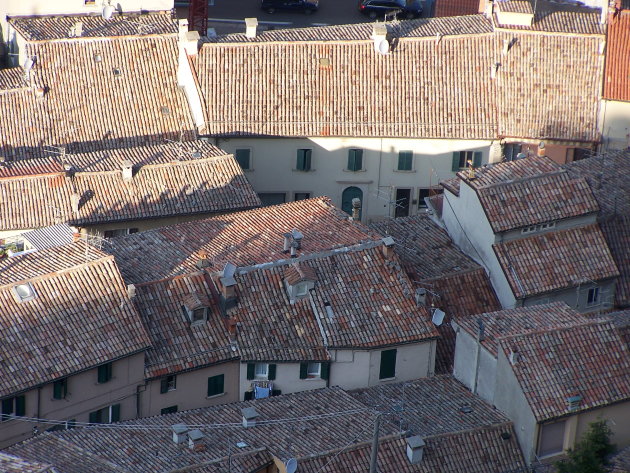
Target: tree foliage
pixel 590 453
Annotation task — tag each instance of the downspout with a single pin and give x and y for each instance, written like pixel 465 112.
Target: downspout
pixel 480 338
pixel 321 331
pixel 138 403
pixel 39 395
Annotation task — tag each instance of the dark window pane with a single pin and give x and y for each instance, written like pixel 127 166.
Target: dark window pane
pixel 242 157
pixel 355 159
pixel 388 364
pixel 168 410
pixel 405 160
pixel 272 198
pixel 215 385
pixel 104 373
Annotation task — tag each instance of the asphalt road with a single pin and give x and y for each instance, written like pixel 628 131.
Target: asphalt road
pixel 227 16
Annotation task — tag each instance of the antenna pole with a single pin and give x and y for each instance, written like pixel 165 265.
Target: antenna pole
pixel 374 454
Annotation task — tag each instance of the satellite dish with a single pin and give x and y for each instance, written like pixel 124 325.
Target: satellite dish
pixel 382 46
pixel 228 270
pixel 291 465
pixel 108 11
pixel 438 317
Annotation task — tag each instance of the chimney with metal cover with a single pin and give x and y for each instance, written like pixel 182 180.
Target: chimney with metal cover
pixel 195 439
pixel 388 247
pixel 250 27
pixel 179 433
pixel 249 416
pixel 356 209
pixel 287 242
pixel 127 170
pixel 415 449
pixel 297 238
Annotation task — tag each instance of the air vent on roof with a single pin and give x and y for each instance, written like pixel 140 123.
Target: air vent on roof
pixel 24 292
pixel 249 416
pixel 574 402
pixel 179 433
pixel 250 27
pixel 415 449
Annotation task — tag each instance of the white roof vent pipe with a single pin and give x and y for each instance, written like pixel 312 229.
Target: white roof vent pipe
pixel 250 27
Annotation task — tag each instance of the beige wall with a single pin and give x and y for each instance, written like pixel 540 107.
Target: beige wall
pixel 85 395
pixel 287 380
pixel 191 390
pixel 615 125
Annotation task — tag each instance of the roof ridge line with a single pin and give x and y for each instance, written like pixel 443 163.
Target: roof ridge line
pixel 585 323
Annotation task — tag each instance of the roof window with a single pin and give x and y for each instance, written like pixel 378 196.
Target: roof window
pixel 195 308
pixel 24 292
pixel 299 279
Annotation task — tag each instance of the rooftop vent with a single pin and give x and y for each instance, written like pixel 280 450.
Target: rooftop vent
pixel 195 439
pixel 127 170
pixel 179 433
pixel 415 449
pixel 249 416
pixel 388 247
pixel 574 402
pixel 76 30
pixel 379 35
pixel 250 27
pixel 421 296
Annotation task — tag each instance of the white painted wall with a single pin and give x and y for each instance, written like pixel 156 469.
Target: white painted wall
pixel 615 124
pixel 287 380
pixel 273 161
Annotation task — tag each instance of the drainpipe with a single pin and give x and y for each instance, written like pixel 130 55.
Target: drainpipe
pixel 480 338
pixel 138 404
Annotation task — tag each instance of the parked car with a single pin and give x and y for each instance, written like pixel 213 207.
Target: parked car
pixel 380 8
pixel 306 6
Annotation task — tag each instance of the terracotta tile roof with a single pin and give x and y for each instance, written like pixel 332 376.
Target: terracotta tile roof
pixel 535 200
pixel 509 171
pixel 79 318
pixel 557 18
pixel 556 260
pixel 425 250
pixel 441 415
pixel 422 27
pixel 621 320
pixel 557 364
pixel 616 231
pixel 445 8
pixel 48 237
pixel 607 175
pixel 620 462
pixel 311 431
pixel 515 6
pixel 46 28
pixel 12 79
pixel 13 464
pixel 301 97
pixel 479 450
pixel 207 185
pixel 299 272
pixel 360 298
pixel 617 77
pixel 539 102
pixel 176 345
pixel 130 81
pixel 519 321
pixel 461 294
pixel 244 238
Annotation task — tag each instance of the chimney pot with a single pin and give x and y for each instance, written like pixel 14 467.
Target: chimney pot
pixel 388 247
pixel 287 242
pixel 415 449
pixel 127 170
pixel 293 250
pixel 356 209
pixel 297 237
pixel 250 27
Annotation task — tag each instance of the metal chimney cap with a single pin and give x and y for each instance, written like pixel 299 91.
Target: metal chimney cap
pixel 179 428
pixel 415 442
pixel 249 413
pixel 388 241
pixel 195 435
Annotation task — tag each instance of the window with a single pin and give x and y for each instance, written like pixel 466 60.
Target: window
pixel 24 292
pixel 272 198
pixel 511 151
pixel 551 439
pixel 261 371
pixel 538 228
pixel 303 160
pixel 403 202
pixel 168 384
pixel 461 158
pixel 243 157
pixel 199 315
pixel 301 289
pixel 60 389
pixel 106 415
pixel 168 410
pixel 405 160
pixel 13 406
pixel 355 159
pixel 118 232
pixel 593 296
pixel 312 370
pixel 424 193
pixel 301 196
pixel 104 373
pixel 388 364
pixel 215 385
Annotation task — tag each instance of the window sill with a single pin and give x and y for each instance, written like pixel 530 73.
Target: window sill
pixel 382 380
pixel 216 395
pixel 358 170
pixel 312 379
pixel 303 170
pixel 405 171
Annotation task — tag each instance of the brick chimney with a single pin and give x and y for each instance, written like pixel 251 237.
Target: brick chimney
pixel 388 247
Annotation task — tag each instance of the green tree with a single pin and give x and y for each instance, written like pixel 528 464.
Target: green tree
pixel 590 453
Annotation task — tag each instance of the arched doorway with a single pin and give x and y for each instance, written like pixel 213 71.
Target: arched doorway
pixel 350 193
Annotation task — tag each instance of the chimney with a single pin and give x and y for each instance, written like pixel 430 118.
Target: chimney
pixel 297 238
pixel 179 433
pixel 76 236
pixel 195 440
pixel 68 168
pixel 250 27
pixel 421 296
pixel 379 32
pixel 481 334
pixel 541 149
pixel 249 416
pixel 131 291
pixel 287 242
pixel 228 287
pixel 191 42
pixel 356 209
pixel 415 449
pixel 127 170
pixel 388 247
pixel 293 250
pixel 514 356
pixel 75 199
pixel 76 31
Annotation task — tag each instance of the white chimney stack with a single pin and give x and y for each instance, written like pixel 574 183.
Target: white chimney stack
pixel 415 449
pixel 250 27
pixel 127 170
pixel 179 433
pixel 249 416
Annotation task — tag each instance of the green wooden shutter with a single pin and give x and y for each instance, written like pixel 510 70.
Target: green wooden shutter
pixel 477 156
pixel 455 167
pixel 388 364
pixel 7 407
pixel 215 385
pixel 325 372
pixel 163 385
pixel 104 373
pixel 251 370
pixel 303 370
pixel 115 413
pixel 405 160
pixel 95 417
pixel 249 395
pixel 307 160
pixel 272 372
pixel 20 405
pixel 242 158
pixel 57 390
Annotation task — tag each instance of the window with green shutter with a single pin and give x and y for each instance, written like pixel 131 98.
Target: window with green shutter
pixel 477 157
pixel 115 413
pixel 303 160
pixel 355 159
pixel 251 370
pixel 303 370
pixel 388 364
pixel 104 373
pixel 243 157
pixel 461 159
pixel 272 372
pixel 405 160
pixel 215 385
pixel 168 410
pixel 20 406
pixel 325 370
pixel 168 384
pixel 106 415
pixel 60 389
pixel 95 417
